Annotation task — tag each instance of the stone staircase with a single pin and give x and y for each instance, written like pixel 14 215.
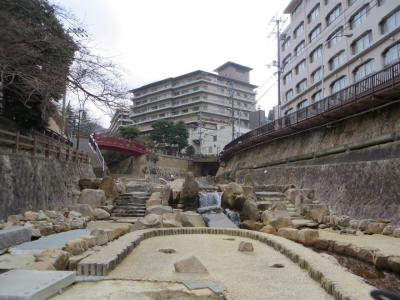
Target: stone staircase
pixel 268 196
pixel 131 205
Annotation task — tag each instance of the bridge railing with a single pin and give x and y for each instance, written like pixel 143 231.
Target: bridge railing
pixel 377 81
pixel 39 144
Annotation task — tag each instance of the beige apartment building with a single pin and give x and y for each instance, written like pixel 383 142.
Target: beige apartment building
pixel 120 119
pixel 203 101
pixel 331 44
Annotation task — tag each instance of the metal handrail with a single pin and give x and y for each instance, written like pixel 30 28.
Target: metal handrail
pixel 338 99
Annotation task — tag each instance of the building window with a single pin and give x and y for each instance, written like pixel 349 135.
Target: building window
pixel 334 14
pixel 300 67
pixel 298 30
pixel 288 111
pixel 303 104
pixel 287 78
pixel 314 13
pixel 391 55
pixel 317 96
pixel 286 44
pixel 335 37
pixel 363 70
pixel 286 60
pixel 214 138
pixel 299 48
pixel 316 75
pixel 316 54
pixel 338 84
pixel 315 32
pixel 359 17
pixel 391 22
pixel 361 43
pixel 336 61
pixel 301 86
pixel 289 95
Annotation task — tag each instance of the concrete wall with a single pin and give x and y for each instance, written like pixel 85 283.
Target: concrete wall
pixel 361 180
pixel 28 183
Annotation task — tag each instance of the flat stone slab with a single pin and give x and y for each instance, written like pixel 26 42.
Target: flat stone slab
pixel 33 285
pixel 10 262
pixel 54 241
pixel 14 236
pixel 107 225
pixel 204 284
pixel 218 220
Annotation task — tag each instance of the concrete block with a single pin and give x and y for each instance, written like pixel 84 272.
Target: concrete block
pixel 33 285
pixel 15 235
pixel 54 241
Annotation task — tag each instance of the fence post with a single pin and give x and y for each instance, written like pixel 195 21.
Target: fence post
pixel 17 141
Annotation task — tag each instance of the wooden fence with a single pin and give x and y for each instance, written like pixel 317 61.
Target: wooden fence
pixel 42 145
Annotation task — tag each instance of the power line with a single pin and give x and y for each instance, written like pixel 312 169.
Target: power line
pixel 266 91
pixel 269 78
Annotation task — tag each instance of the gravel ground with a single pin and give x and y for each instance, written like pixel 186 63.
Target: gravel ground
pixel 244 275
pixel 386 244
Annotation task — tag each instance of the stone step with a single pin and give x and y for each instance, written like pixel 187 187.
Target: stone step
pixel 131 201
pixel 130 215
pixel 130 204
pixel 128 210
pixel 270 194
pixel 137 188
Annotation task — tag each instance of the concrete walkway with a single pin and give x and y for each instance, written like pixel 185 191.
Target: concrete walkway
pixel 386 244
pixel 245 275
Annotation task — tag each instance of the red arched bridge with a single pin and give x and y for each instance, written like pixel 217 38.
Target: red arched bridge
pixel 107 142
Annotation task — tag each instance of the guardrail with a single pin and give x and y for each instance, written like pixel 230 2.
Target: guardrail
pixel 378 81
pixel 38 144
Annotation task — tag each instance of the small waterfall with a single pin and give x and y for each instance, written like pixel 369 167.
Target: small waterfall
pixel 210 199
pixel 233 216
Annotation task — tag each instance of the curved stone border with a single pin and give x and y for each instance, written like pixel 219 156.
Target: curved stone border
pixel 333 278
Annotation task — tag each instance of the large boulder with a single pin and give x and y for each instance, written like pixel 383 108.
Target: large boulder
pixel 121 187
pixel 158 209
pixel 289 233
pixel 101 214
pixel 176 188
pixel 190 265
pixel 94 198
pixel 277 217
pixel 170 220
pixel 190 192
pixel 109 187
pixel 245 247
pixel 155 199
pixel 31 216
pixel 250 211
pixel 57 257
pixel 165 193
pixel 76 246
pixel 192 219
pixel 376 227
pixel 149 221
pixel 308 237
pixel 83 209
pixel 232 195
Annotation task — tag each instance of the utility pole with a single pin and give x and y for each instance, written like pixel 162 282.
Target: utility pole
pixel 277 63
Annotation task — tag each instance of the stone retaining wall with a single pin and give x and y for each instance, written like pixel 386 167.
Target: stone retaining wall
pixel 33 183
pixel 335 280
pixel 352 165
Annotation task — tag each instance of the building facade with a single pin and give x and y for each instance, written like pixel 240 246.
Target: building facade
pixel 203 101
pixel 120 119
pixel 331 44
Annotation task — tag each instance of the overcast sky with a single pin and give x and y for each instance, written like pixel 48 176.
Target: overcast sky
pixel 154 39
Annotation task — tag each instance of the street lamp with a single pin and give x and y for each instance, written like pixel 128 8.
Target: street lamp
pixel 322 58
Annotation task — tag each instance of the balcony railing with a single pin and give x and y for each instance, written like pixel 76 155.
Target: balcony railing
pixel 387 77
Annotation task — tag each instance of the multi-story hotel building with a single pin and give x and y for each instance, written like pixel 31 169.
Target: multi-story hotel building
pixel 203 101
pixel 120 119
pixel 330 44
